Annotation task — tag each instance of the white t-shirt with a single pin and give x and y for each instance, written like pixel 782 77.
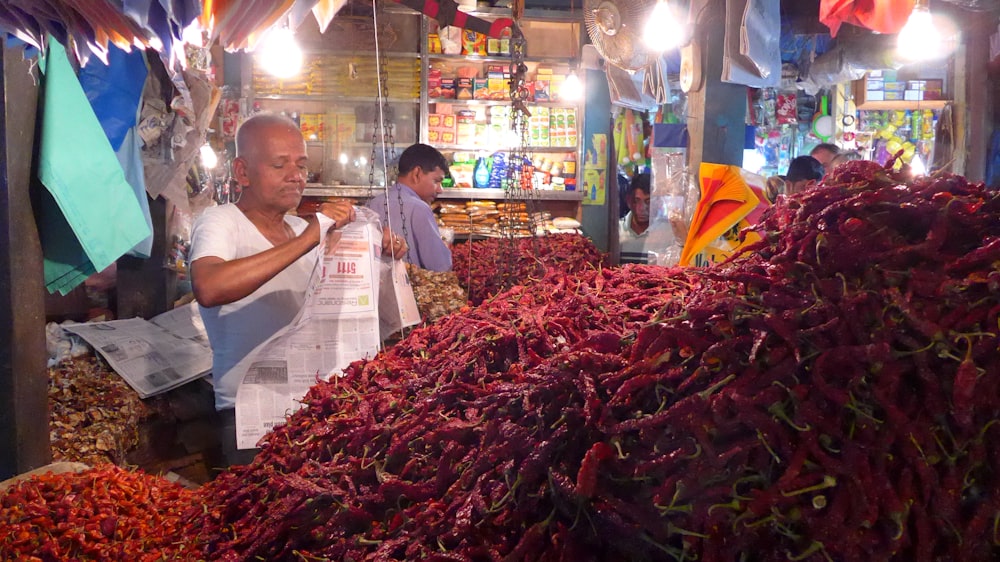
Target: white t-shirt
pixel 632 246
pixel 235 329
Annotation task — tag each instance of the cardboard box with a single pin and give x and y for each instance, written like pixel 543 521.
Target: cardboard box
pixel 893 96
pixel 480 89
pixel 448 88
pixel 913 95
pixel 497 86
pixel 933 84
pixel 463 89
pixel 895 86
pixel 542 90
pixel 875 85
pixel 876 95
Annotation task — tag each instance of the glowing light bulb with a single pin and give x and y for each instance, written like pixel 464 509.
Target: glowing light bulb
pixel 208 156
pixel 917 167
pixel 279 54
pixel 662 31
pixel 572 88
pixel 194 34
pixel 920 38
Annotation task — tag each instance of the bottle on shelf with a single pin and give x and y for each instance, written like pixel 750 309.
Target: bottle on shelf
pixel 481 173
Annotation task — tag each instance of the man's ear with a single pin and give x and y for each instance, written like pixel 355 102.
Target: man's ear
pixel 240 171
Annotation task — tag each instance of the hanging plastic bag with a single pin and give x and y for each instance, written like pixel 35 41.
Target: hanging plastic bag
pixel 114 91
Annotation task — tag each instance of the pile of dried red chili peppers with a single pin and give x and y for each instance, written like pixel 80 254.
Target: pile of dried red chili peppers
pixel 831 394
pixel 487 267
pixel 104 513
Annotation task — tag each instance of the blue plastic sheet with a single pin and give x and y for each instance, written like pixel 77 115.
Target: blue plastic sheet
pixel 115 90
pixel 130 157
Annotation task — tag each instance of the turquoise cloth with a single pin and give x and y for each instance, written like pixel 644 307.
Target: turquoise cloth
pixel 98 218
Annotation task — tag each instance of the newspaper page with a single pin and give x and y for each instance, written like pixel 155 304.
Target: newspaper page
pixel 184 322
pixel 398 306
pixel 338 324
pixel 151 359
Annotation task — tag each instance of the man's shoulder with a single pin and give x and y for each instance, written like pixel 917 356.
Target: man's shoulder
pixel 225 211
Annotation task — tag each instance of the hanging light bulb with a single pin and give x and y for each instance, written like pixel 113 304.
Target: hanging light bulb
pixel 279 54
pixel 917 167
pixel 572 87
pixel 208 157
pixel 663 31
pixel 920 38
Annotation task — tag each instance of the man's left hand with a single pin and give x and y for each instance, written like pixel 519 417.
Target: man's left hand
pixel 393 244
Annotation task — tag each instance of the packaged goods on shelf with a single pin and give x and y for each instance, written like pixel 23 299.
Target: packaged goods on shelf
pixel 448 88
pixel 312 126
pixel 473 43
pixel 434 83
pixel 480 88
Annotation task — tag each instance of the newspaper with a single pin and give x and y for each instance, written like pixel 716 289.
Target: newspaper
pixel 338 324
pixel 152 356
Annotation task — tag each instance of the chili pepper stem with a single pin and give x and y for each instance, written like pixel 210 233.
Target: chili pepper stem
pixel 760 436
pixel 678 488
pixel 734 504
pixel 815 547
pixel 671 528
pixel 711 390
pixel 675 553
pixel 996 529
pixel 777 411
pixel 828 482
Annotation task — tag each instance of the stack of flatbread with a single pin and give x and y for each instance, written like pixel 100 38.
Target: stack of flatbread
pixel 514 219
pixel 454 216
pixel 483 216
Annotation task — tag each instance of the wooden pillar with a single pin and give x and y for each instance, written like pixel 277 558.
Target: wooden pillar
pixel 973 101
pixel 142 283
pixel 24 420
pixel 716 109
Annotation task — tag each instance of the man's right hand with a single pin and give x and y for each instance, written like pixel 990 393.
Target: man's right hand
pixel 342 212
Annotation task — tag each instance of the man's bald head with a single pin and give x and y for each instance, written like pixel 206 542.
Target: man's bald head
pixel 256 128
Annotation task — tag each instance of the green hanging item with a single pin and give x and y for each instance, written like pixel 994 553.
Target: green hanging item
pixel 93 216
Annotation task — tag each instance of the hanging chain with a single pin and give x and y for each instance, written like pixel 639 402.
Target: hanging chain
pixel 382 121
pixel 517 182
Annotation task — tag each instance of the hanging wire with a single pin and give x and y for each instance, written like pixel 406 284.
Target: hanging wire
pixel 380 125
pixel 385 126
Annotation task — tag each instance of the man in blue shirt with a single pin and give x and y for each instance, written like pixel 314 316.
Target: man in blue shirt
pixel 406 206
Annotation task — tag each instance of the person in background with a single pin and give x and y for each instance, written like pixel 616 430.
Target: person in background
pixel 825 152
pixel 803 172
pixel 406 206
pixel 842 157
pixel 251 260
pixel 633 227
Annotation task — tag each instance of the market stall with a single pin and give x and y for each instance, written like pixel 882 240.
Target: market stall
pixel 794 400
pixel 804 376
